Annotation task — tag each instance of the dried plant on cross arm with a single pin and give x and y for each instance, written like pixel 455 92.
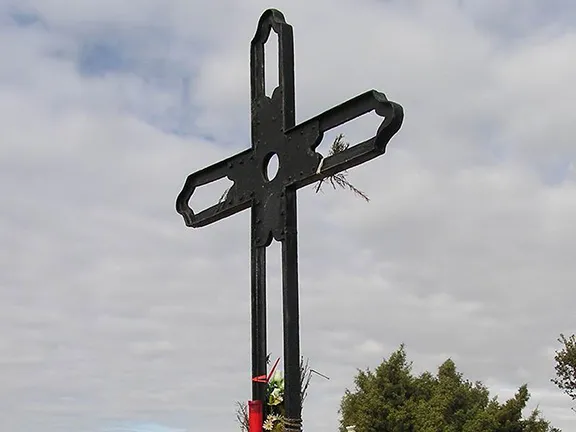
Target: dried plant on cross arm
pixel 340 179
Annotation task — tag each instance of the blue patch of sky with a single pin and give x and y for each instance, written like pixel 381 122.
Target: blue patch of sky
pixel 98 57
pixel 512 22
pixel 144 54
pixel 11 15
pixel 557 13
pixel 24 19
pixel 153 57
pixel 556 170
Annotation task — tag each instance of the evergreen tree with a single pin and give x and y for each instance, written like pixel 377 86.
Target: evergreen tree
pixel 392 399
pixel 566 366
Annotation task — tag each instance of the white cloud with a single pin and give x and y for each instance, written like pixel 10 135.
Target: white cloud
pixel 112 310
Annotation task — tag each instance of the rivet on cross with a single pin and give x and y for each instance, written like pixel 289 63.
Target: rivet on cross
pixel 273 201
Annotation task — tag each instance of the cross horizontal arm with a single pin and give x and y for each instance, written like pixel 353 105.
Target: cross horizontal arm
pixel 355 155
pixel 232 203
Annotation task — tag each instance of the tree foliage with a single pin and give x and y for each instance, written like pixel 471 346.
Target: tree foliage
pixel 392 399
pixel 566 366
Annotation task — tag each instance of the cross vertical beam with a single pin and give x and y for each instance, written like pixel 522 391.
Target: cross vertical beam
pixel 273 201
pixel 291 315
pixel 272 19
pixel 258 316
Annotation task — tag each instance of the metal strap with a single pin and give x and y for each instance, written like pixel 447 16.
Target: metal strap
pixel 292 425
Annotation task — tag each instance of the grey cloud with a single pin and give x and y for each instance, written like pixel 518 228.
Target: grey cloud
pixel 113 310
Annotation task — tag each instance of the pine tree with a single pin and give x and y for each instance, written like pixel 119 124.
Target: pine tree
pixel 392 399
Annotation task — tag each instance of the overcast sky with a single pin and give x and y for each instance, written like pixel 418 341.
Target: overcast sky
pixel 116 317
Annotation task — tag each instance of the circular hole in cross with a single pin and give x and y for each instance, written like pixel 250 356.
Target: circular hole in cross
pixel 271 166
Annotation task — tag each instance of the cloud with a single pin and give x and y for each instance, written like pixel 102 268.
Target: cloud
pixel 113 312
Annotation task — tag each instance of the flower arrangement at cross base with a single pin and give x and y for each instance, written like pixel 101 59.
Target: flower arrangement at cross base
pixel 275 403
pixel 274 421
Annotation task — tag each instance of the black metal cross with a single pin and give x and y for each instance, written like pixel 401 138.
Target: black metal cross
pixel 273 201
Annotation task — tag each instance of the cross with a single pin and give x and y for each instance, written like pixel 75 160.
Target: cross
pixel 273 200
